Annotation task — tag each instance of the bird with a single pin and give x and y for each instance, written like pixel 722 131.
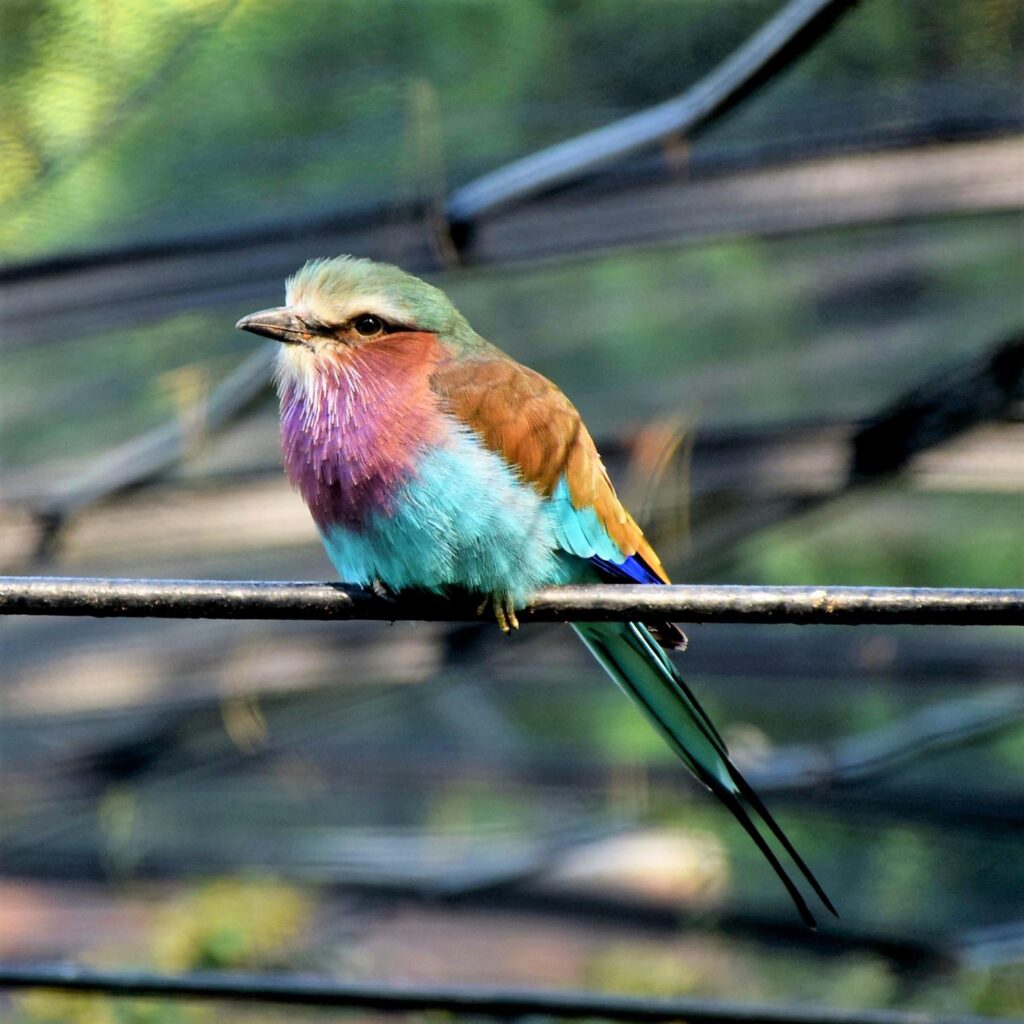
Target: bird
pixel 432 460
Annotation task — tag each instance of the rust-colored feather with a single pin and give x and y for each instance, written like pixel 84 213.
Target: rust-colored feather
pixel 527 420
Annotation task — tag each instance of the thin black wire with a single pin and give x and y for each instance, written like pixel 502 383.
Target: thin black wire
pixel 498 1004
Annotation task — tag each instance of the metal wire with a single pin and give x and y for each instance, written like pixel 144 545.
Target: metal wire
pixel 499 1004
pixel 781 40
pixel 225 599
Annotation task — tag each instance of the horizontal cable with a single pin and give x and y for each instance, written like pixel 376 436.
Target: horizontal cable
pixel 226 599
pixel 494 1003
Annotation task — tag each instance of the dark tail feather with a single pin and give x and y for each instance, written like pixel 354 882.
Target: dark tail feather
pixel 739 812
pixel 748 794
pixel 747 791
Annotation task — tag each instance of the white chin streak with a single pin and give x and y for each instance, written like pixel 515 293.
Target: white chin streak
pixel 299 367
pixel 323 385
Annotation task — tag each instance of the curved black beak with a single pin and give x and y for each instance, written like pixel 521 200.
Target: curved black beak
pixel 282 324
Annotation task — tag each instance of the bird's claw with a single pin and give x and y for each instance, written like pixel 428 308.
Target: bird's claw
pixel 504 611
pixel 380 588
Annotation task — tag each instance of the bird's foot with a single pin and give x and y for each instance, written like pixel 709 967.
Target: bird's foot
pixel 380 588
pixel 504 611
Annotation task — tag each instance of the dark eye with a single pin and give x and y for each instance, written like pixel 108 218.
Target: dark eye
pixel 368 324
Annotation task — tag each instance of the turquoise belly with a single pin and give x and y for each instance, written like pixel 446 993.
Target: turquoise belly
pixel 464 520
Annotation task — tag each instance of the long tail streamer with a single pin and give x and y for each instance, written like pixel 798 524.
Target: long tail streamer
pixel 635 661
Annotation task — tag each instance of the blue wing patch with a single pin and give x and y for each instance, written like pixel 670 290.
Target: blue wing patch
pixel 632 570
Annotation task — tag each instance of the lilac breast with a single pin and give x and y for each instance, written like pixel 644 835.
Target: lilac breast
pixel 351 441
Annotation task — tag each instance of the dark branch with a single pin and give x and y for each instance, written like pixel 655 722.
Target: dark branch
pixel 776 45
pixel 498 1004
pixel 218 599
pixel 979 390
pixel 151 454
pixel 854 759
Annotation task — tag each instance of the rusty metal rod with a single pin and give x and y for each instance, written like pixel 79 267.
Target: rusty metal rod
pixel 227 599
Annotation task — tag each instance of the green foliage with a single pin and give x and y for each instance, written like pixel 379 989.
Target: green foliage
pixel 132 117
pixel 463 807
pixel 901 870
pixel 711 969
pixel 996 991
pixel 942 540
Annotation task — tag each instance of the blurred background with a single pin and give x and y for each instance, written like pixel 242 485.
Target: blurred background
pixel 796 333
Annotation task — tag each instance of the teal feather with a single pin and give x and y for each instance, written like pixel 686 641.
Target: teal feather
pixel 635 661
pixel 578 530
pixel 464 520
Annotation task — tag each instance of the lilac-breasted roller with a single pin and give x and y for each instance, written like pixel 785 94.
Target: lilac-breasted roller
pixel 431 459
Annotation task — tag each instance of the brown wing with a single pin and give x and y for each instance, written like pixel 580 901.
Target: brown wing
pixel 527 420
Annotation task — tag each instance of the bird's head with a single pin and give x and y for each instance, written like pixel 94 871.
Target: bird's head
pixel 337 306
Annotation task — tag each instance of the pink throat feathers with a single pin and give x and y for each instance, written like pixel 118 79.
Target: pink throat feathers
pixel 353 426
